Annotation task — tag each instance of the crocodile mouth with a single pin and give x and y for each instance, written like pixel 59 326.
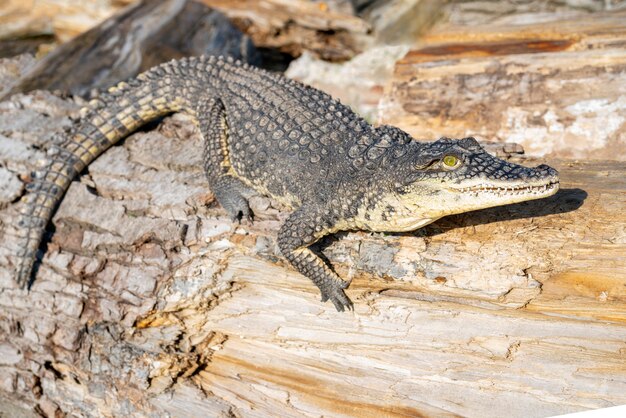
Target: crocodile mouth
pixel 518 189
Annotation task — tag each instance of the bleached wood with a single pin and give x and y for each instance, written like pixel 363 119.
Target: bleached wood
pixel 62 18
pixel 149 301
pixel 294 26
pixel 556 89
pixel 326 29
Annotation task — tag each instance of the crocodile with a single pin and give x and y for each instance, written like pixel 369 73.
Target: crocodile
pixel 266 134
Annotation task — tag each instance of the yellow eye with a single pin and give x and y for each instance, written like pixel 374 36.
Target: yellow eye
pixel 450 161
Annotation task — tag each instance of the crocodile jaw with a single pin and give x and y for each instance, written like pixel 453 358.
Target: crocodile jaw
pixel 429 201
pixel 483 194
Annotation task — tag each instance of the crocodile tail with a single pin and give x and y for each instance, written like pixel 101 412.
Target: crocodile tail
pixel 105 121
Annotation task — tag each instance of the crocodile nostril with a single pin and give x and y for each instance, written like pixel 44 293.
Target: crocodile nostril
pixel 546 170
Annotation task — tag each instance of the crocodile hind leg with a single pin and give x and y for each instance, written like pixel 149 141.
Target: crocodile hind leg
pixel 229 191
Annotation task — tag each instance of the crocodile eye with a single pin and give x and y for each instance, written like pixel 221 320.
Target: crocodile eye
pixel 450 161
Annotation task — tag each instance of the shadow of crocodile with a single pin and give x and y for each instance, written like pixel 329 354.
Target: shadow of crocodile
pixel 565 200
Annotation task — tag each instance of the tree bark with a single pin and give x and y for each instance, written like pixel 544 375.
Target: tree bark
pixel 150 301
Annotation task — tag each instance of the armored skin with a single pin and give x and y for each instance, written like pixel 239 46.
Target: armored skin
pixel 267 134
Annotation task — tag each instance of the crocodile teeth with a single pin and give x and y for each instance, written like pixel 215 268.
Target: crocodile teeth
pixel 515 190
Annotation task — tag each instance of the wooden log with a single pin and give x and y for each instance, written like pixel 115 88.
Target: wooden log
pixel 557 90
pixel 328 29
pixel 150 301
pixel 64 19
pixel 137 38
pixel 294 26
pixel 463 16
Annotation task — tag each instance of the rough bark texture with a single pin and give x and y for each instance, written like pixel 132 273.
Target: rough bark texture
pixel 559 92
pixel 149 301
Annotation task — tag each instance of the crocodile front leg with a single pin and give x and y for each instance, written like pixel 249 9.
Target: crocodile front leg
pixel 303 228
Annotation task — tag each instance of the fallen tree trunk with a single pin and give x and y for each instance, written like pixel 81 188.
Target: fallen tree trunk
pixel 150 301
pixel 297 26
pixel 556 90
pixel 137 38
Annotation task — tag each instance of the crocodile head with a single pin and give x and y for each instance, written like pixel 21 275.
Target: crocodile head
pixel 454 176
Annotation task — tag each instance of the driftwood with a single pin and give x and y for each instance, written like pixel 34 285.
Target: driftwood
pixel 331 30
pixel 511 13
pixel 293 26
pixel 150 301
pixel 139 37
pixel 61 19
pixel 557 91
pixel 326 29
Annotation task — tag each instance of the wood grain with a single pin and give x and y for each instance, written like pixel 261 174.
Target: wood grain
pixel 294 26
pixel 150 301
pixel 557 90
